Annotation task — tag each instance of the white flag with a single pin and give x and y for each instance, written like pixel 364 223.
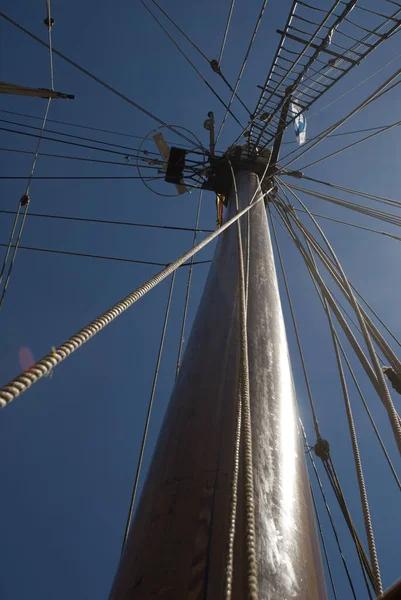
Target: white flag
pixel 299 123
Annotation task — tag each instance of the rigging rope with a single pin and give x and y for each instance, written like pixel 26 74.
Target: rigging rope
pixel 223 43
pixel 43 367
pixel 184 316
pixel 211 88
pixel 102 257
pixel 244 387
pixel 358 466
pixel 95 78
pixel 109 222
pixel 255 31
pixel 149 413
pixel 323 542
pixel 320 484
pixel 300 351
pixel 384 392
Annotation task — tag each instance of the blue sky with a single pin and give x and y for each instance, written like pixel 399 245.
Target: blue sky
pixel 70 444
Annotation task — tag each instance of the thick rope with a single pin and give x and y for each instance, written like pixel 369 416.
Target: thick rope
pixel 43 367
pixel 229 568
pixel 358 466
pixel 384 392
pixel 149 413
pixel 250 534
pixel 319 481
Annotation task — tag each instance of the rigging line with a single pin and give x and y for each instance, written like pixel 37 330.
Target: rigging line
pixel 149 413
pixel 351 191
pixel 181 31
pixel 86 139
pixel 255 31
pixel 223 43
pixel 24 202
pixel 300 350
pixel 103 257
pixel 324 257
pixel 378 93
pixel 296 61
pixel 360 208
pixel 364 139
pixel 109 222
pixel 190 62
pixel 342 283
pixel 49 34
pixel 360 391
pixel 320 484
pixel 323 542
pixel 217 70
pixel 184 316
pixel 371 419
pixel 97 79
pixel 358 463
pixel 129 135
pixel 355 86
pixel 363 559
pixel 244 386
pixel 79 158
pixel 315 275
pixel 79 177
pixel 348 132
pixel 392 413
pixel 24 381
pixel 394 237
pixel 44 137
pixel 370 212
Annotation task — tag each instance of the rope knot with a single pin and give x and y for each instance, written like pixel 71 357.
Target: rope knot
pixel 25 200
pixel 322 449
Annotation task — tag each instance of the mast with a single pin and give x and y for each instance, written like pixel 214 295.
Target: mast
pixel 177 546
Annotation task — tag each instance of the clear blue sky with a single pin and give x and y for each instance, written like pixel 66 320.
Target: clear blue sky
pixel 69 445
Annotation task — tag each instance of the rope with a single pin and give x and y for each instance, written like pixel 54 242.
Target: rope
pixel 109 222
pixel 223 43
pixel 102 256
pixel 25 200
pixel 229 568
pixel 300 351
pixel 323 542
pixel 49 34
pixel 184 316
pixel 358 466
pixel 43 367
pixel 255 31
pixel 364 139
pixel 191 63
pixel 329 515
pixel 129 135
pixel 378 93
pixel 384 392
pixel 94 77
pixel 371 419
pixel 250 534
pixel 149 413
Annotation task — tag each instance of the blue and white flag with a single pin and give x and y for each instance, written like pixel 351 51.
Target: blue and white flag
pixel 299 123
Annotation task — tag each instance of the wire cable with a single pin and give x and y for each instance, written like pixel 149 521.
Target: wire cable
pixel 223 43
pixel 102 257
pixel 94 77
pixel 184 316
pixel 319 481
pixel 148 415
pixel 255 31
pixel 190 62
pixel 110 222
pixel 43 367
